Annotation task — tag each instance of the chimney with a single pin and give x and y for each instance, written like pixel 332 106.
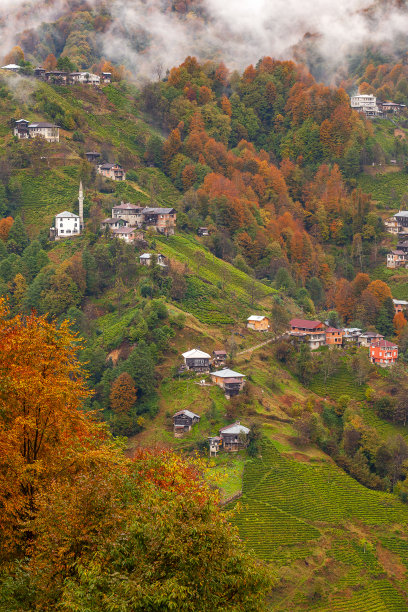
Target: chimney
pixel 81 206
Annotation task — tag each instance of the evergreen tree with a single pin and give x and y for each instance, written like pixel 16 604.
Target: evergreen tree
pixel 19 235
pixel 140 366
pixel 385 318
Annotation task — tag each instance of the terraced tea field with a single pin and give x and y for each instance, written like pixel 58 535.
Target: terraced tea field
pixel 324 526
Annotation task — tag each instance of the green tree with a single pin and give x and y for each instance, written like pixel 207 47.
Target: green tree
pixel 19 235
pixel 385 318
pixel 140 366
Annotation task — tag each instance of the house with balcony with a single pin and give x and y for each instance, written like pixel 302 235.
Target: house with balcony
pixel 219 357
pixel 197 361
pixel 234 437
pixel 383 353
pixel 48 131
pixel 312 332
pixel 351 334
pixel 231 382
pixel 21 129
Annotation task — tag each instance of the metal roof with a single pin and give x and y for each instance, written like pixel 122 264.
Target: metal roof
pixel 123 230
pixel 227 373
pixel 43 124
pixel 158 211
pixel 196 354
pixel 145 256
pixel 402 213
pixel 256 318
pixel 400 302
pixel 188 413
pixel 236 428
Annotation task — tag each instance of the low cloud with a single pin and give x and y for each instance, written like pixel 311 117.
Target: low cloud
pixel 146 33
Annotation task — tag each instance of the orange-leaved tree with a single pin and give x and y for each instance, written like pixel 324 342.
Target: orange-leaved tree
pixel 43 431
pixel 123 393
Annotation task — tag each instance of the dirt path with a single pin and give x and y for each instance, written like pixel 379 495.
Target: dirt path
pixel 258 346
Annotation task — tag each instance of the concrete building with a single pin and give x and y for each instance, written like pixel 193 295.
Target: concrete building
pixel 67 225
pixel 48 131
pixel 383 353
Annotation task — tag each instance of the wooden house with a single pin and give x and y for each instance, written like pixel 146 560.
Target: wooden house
pixel 92 156
pixel 197 361
pixel 234 437
pixel 219 357
pixel 383 353
pixel 258 323
pixel 334 336
pixel 21 129
pixel 106 77
pixel 231 382
pixel 203 231
pixel 183 421
pixel 39 72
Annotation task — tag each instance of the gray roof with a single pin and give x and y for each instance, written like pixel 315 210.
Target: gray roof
pixel 227 373
pixel 236 428
pixel 158 211
pixel 43 124
pixel 256 318
pixel 402 213
pixel 188 413
pixel 196 354
pixel 123 230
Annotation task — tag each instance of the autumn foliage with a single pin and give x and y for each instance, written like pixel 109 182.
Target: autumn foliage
pixel 123 393
pixel 79 521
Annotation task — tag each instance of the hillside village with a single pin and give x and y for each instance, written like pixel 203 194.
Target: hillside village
pixel 236 302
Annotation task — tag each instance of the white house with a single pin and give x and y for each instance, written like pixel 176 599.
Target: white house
pixel 87 78
pixel 48 131
pixel 12 67
pixel 67 225
pixel 146 259
pixel 365 103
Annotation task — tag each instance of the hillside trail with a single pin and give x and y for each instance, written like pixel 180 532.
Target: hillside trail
pixel 258 346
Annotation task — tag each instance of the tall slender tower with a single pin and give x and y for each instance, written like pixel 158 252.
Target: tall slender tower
pixel 81 205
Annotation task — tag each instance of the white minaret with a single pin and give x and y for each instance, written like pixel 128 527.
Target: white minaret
pixel 81 205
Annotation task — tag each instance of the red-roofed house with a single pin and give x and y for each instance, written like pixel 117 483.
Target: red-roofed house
pixel 312 332
pixel 383 353
pixel 334 336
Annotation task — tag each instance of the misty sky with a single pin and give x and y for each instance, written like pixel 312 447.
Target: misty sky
pixel 239 31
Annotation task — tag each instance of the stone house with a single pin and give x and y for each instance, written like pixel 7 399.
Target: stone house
pixel 127 234
pixel 367 338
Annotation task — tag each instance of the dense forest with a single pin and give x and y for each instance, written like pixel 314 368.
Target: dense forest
pixel 102 508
